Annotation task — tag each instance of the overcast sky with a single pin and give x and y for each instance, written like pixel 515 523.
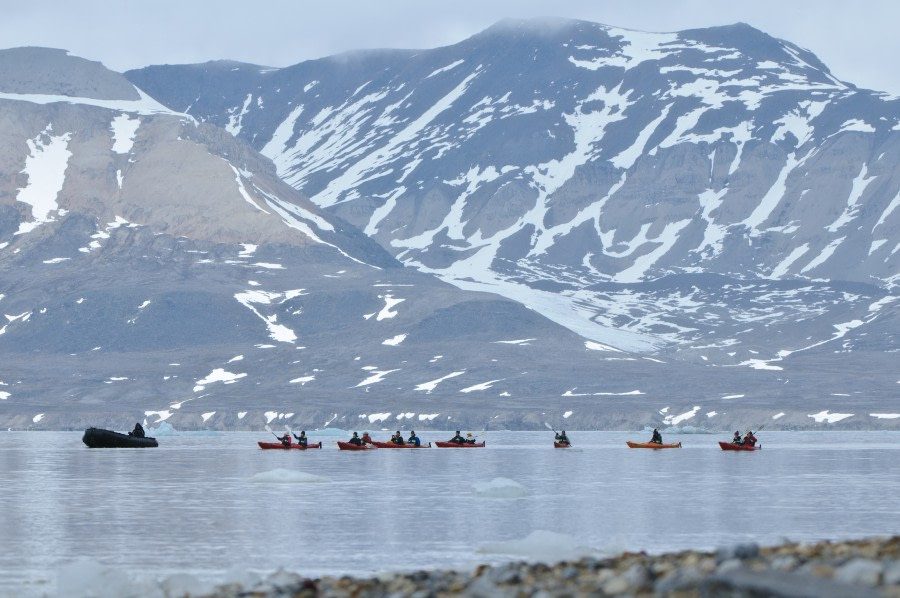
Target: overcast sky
pixel 858 40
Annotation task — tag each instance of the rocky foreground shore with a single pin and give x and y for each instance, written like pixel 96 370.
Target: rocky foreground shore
pixel 856 569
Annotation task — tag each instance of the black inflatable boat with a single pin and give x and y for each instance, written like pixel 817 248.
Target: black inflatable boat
pixel 99 438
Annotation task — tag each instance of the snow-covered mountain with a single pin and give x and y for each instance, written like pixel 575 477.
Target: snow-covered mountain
pixel 655 196
pixel 712 196
pixel 156 268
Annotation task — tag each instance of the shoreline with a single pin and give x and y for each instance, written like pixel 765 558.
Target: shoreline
pixel 852 568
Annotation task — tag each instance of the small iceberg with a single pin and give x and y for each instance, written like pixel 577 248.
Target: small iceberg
pixel 540 545
pixel 500 488
pixel 287 476
pixel 163 429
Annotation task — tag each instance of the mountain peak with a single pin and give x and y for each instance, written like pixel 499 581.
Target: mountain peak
pixel 53 71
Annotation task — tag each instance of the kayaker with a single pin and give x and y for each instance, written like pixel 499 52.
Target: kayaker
pixel 397 438
pixel 413 439
pixel 458 439
pixel 302 440
pixel 749 439
pixel 561 438
pixel 366 439
pixel 286 439
pixel 657 437
pixel 470 439
pixel 355 439
pixel 737 438
pixel 138 431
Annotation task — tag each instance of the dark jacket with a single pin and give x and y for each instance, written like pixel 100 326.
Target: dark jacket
pixel 458 439
pixel 355 440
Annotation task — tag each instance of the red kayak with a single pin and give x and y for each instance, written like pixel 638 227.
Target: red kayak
pixel 730 446
pixel 347 446
pixel 652 445
pixel 561 445
pixel 278 445
pixel 392 445
pixel 455 445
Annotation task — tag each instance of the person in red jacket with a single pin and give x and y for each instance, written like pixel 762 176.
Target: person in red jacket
pixel 749 439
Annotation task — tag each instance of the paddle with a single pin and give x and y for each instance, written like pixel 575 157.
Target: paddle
pixel 273 433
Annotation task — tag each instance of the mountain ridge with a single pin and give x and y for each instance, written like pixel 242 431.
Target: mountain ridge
pixel 679 210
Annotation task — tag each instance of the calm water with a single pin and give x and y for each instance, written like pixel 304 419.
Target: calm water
pixel 193 505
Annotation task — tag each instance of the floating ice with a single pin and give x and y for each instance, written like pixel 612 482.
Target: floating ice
pixel 85 577
pixel 500 488
pixel 540 545
pixel 287 476
pixel 163 429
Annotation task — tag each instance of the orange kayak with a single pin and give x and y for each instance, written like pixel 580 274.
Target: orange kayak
pixel 730 446
pixel 561 445
pixel 652 445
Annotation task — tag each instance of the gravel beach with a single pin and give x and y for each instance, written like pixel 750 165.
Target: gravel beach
pixel 858 569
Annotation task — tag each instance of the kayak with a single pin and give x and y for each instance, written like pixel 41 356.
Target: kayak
pixel 455 445
pixel 561 445
pixel 346 446
pixel 730 446
pixel 99 438
pixel 652 445
pixel 392 445
pixel 278 445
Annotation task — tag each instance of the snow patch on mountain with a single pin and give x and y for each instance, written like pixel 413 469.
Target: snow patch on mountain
pixel 45 168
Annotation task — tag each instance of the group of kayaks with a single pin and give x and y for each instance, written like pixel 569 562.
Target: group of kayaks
pixel 348 446
pixel 99 438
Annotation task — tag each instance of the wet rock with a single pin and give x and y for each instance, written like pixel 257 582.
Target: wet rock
pixel 860 571
pixel 738 551
pixel 742 583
